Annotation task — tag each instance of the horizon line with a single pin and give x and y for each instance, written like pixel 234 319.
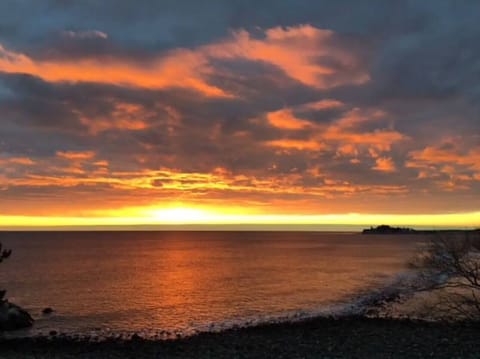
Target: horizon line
pixel 288 227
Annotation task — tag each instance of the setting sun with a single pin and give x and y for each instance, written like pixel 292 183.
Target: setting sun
pixel 180 215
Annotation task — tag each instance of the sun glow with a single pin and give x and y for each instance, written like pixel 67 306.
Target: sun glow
pixel 191 215
pixel 179 215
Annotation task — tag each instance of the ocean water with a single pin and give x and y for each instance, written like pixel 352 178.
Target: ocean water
pixel 178 283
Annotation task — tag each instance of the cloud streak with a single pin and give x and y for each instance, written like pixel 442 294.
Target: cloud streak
pixel 303 53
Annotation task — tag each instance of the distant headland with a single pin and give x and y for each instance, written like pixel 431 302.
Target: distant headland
pixel 386 229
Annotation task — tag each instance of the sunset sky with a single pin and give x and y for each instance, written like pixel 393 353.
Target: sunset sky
pixel 237 111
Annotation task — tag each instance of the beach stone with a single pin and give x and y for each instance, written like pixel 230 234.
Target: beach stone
pixel 13 317
pixel 47 310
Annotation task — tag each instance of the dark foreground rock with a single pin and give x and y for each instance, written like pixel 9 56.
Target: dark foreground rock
pixel 317 338
pixel 12 317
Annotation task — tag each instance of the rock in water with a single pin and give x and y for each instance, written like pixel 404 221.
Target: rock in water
pixel 47 310
pixel 12 317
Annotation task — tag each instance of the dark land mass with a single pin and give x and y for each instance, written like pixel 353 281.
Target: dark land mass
pixel 385 229
pixel 355 337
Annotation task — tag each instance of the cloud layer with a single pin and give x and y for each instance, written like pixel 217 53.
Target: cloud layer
pixel 298 107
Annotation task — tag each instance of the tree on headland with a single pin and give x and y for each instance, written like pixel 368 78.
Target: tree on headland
pixel 450 266
pixel 4 254
pixel 386 229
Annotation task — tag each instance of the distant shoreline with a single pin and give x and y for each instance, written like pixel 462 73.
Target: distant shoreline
pixel 228 228
pixel 386 229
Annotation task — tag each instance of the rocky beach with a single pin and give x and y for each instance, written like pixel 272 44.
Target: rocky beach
pixel 352 337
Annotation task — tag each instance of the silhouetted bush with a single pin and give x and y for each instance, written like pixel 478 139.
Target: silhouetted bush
pixel 450 264
pixel 4 254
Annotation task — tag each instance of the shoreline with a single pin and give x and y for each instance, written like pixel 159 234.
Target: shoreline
pixel 355 336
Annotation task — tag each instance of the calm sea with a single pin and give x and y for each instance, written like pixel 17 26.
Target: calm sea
pixel 182 282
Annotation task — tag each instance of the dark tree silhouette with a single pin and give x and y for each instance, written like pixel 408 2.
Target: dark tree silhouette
pixel 450 265
pixel 4 254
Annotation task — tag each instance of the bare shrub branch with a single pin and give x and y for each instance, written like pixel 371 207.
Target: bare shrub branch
pixel 450 263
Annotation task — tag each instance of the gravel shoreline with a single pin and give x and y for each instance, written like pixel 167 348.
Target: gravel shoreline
pixel 356 337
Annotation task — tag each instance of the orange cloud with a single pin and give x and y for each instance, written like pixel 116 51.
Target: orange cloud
pixel 451 166
pixel 346 130
pixel 125 116
pixel 295 50
pixel 285 119
pixel 101 163
pixel 310 145
pixel 451 154
pixel 345 133
pixel 384 164
pixel 76 155
pixel 216 184
pixel 347 150
pixel 179 68
pixel 324 105
pixel 380 139
pixel 25 161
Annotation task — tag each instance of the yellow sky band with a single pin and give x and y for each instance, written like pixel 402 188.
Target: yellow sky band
pixel 181 215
